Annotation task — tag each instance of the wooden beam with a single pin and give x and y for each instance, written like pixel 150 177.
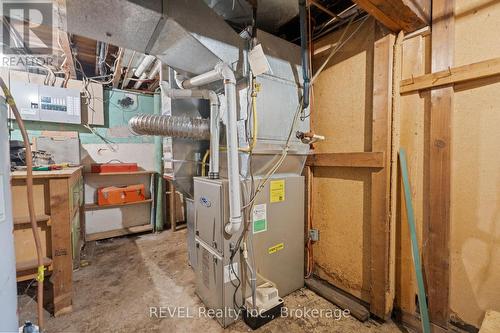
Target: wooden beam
pixel 406 15
pixel 475 71
pixel 69 64
pixel 354 160
pixel 332 294
pixel 62 275
pixel 436 227
pixel 118 69
pixel 380 304
pixel 323 8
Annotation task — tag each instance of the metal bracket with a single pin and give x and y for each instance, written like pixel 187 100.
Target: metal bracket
pixel 314 235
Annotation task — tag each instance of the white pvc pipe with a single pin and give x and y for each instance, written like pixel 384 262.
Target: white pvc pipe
pixel 224 72
pixel 144 65
pixel 202 79
pixel 8 291
pixel 210 95
pixel 156 69
pixel 140 81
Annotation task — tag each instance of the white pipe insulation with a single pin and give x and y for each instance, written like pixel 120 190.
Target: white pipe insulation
pixel 210 95
pixel 148 75
pixel 144 65
pixel 222 71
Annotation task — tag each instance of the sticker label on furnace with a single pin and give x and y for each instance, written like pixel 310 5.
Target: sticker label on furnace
pixel 277 190
pixel 259 218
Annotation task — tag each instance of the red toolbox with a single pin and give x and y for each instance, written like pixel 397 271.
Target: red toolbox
pixel 114 195
pixel 114 167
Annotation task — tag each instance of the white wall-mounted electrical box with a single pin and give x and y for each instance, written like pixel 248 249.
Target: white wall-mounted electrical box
pixel 47 103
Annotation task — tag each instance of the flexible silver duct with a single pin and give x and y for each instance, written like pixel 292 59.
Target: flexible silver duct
pixel 179 127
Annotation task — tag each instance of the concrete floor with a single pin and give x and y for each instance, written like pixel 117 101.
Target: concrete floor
pixel 128 275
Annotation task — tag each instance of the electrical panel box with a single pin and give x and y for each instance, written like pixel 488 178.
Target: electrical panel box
pixel 47 103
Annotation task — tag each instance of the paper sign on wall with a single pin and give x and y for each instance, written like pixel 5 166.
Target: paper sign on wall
pixel 277 190
pixel 259 218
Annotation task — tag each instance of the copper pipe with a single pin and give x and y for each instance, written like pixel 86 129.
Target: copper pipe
pixel 31 205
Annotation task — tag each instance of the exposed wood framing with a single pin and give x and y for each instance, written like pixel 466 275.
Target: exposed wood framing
pixel 323 8
pixel 69 63
pixel 356 160
pixel 380 188
pixel 61 245
pixel 454 75
pixel 437 227
pixel 406 15
pixel 118 69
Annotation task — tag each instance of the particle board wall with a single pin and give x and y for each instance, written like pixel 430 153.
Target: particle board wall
pixel 342 112
pixel 475 194
pixel 475 168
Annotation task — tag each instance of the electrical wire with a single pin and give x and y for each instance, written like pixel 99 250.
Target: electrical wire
pixel 339 45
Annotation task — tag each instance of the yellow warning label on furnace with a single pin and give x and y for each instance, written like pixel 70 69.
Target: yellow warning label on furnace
pixel 277 190
pixel 276 248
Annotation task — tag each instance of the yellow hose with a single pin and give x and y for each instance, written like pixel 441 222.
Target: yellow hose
pixel 255 123
pixel 255 129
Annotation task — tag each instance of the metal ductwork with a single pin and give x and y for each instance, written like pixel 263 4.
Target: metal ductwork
pixel 166 29
pixel 177 127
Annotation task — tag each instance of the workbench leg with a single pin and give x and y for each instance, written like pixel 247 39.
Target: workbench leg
pixel 61 245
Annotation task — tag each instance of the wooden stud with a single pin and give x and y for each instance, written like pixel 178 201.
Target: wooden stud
pixel 171 205
pixel 437 227
pixel 380 186
pixel 355 160
pixel 60 211
pixel 475 71
pixel 118 69
pixel 66 47
pixel 398 15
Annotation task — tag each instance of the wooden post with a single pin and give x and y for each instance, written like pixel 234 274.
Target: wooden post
pixel 437 226
pixel 61 244
pixel 380 305
pixel 171 205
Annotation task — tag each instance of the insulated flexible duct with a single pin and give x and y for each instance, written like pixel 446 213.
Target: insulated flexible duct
pixel 179 127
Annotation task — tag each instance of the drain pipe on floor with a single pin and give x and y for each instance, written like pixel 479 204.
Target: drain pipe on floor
pixel 223 72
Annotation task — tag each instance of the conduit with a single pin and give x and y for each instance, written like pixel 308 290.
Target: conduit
pixel 223 72
pixel 304 53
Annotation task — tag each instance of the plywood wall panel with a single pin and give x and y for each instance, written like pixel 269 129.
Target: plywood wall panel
pixel 342 111
pixel 475 192
pixel 342 97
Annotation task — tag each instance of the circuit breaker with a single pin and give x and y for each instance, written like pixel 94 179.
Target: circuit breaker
pixel 47 103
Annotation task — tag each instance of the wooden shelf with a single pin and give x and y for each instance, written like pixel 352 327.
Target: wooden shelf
pixel 141 172
pixel 26 219
pixel 31 264
pixel 97 207
pixel 118 232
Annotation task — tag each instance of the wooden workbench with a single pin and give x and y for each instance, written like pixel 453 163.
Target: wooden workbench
pixel 58 197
